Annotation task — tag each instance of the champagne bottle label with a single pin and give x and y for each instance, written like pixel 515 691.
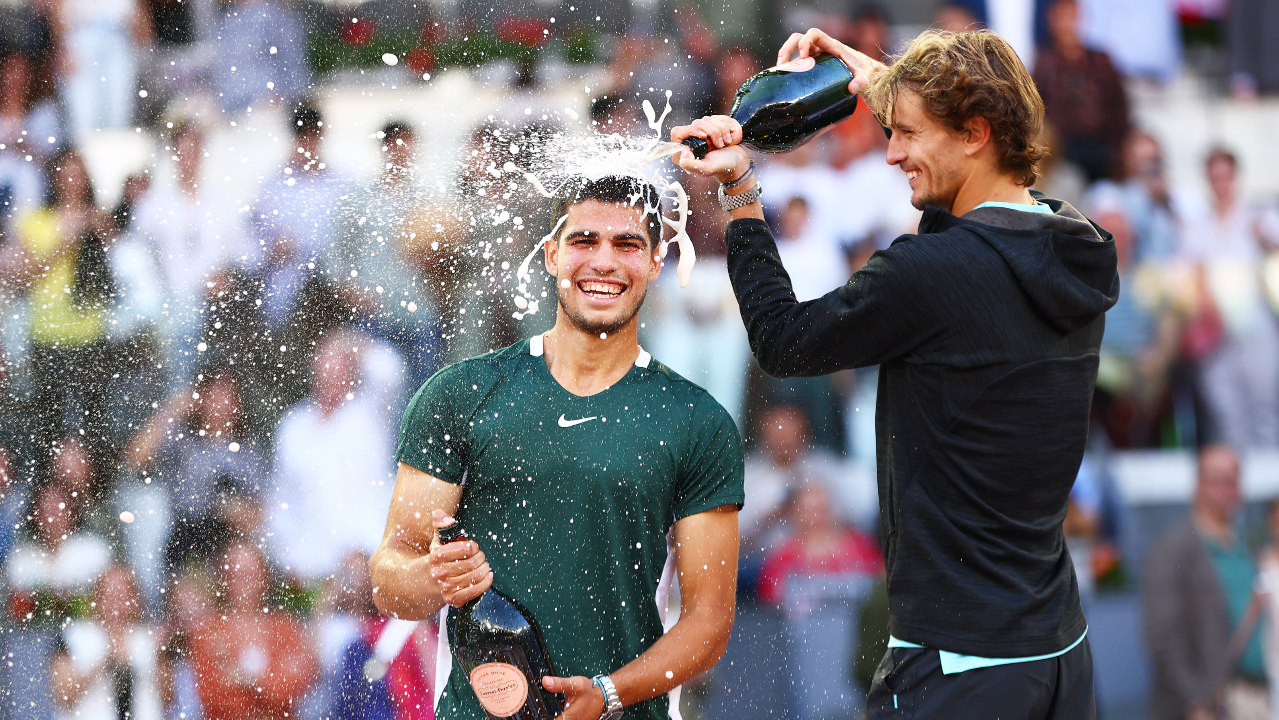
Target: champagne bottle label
pixel 501 688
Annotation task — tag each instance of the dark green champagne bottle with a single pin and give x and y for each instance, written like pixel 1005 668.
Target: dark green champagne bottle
pixel 786 106
pixel 500 648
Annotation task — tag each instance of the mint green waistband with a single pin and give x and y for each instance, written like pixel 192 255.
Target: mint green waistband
pixel 952 663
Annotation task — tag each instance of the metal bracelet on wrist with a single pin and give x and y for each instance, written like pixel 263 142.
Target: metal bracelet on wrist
pixel 612 703
pixel 732 202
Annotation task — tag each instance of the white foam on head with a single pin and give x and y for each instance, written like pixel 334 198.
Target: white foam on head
pixel 554 160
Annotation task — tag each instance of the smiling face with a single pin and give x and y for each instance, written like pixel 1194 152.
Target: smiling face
pixel 603 262
pixel 931 154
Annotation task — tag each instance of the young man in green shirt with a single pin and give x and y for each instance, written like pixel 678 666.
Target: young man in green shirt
pixel 587 472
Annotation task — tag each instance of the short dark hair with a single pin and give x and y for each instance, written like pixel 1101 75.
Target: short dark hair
pixel 396 129
pixel 619 189
pixel 306 118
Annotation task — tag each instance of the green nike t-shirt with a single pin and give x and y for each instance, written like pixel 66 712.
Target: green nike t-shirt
pixel 571 498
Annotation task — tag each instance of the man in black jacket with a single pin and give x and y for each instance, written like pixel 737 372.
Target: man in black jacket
pixel 986 325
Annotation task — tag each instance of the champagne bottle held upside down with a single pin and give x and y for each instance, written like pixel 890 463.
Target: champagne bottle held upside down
pixel 786 106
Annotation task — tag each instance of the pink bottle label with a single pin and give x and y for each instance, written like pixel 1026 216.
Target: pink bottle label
pixel 798 65
pixel 501 688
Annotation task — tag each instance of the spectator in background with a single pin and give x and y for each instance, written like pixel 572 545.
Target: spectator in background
pixel 69 296
pixel 804 173
pixel 1083 95
pixel 372 263
pixel 333 478
pixel 611 114
pixel 99 44
pixel 813 260
pixel 295 216
pixel 737 65
pixel 784 461
pixel 1197 586
pixel 189 609
pixel 821 575
pixel 868 33
pixel 954 17
pixel 1252 27
pixel 21 187
pixel 1140 344
pixel 105 667
pixel 196 236
pixel 357 685
pixel 1239 377
pixel 199 449
pixel 252 661
pixel 50 572
pixel 28 104
pixel 167 61
pixel 1142 200
pixel 697 330
pixel 1060 178
pixel 259 55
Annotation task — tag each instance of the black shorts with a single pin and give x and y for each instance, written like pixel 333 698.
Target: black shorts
pixel 909 685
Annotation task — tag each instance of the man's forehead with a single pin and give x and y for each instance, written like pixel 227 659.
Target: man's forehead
pixel 908 107
pixel 600 216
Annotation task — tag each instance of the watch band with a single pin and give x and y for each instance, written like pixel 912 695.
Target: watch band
pixel 732 202
pixel 612 703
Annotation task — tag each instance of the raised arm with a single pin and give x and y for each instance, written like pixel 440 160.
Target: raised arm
pixel 706 560
pixel 413 575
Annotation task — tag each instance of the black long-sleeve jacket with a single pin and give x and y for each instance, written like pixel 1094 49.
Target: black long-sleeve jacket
pixel 987 329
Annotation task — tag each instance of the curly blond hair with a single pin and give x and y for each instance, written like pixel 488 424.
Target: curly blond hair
pixel 959 76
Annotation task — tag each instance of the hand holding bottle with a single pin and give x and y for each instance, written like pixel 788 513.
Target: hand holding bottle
pixel 459 568
pixel 815 41
pixel 726 161
pixel 583 700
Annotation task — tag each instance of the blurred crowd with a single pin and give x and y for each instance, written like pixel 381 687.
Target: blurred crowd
pixel 199 400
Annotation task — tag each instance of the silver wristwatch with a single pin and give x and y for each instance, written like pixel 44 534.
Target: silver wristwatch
pixel 732 202
pixel 612 703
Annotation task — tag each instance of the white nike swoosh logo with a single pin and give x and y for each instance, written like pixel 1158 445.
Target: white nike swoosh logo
pixel 571 423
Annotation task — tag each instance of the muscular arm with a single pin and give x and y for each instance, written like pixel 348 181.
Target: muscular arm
pixel 413 576
pixel 706 560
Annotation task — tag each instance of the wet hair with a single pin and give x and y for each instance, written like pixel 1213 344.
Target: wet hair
pixel 306 119
pixel 619 189
pixel 396 129
pixel 961 76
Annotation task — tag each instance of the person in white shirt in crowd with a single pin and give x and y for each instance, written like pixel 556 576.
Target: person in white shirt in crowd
pixel 1227 241
pixel 196 236
pixel 815 265
pixel 296 215
pixel 804 173
pixel 105 667
pixel 784 461
pixel 1150 207
pixel 98 42
pixel 333 476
